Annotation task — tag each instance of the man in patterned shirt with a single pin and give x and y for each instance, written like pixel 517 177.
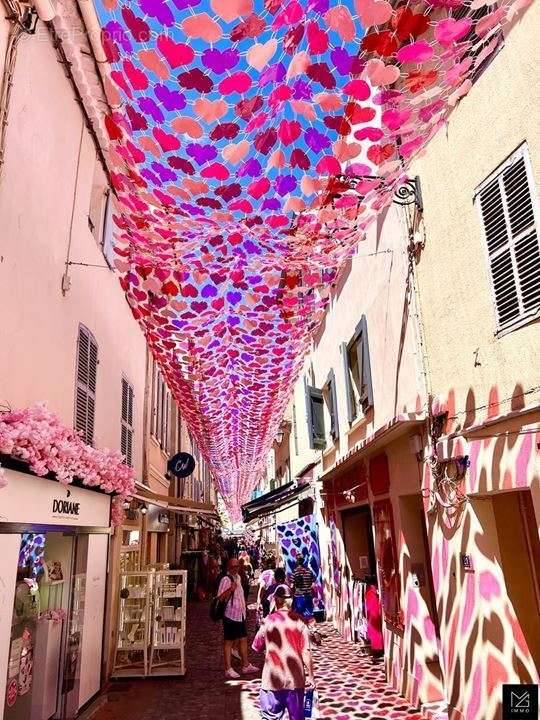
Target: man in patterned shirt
pixel 288 666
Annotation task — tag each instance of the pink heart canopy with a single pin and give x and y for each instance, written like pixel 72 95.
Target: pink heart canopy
pixel 257 141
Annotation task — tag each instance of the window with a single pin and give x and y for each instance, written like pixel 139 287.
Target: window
pixel 315 416
pixel 126 439
pixel 107 237
pixel 295 429
pixel 507 206
pixel 161 409
pixel 330 399
pixel 357 370
pixel 85 390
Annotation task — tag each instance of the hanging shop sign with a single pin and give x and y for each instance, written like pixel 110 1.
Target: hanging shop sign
pixel 33 500
pixel 181 465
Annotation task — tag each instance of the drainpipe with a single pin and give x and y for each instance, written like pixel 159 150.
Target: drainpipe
pixel 45 10
pixel 93 28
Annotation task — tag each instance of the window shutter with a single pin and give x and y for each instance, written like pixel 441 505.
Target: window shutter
pixel 155 383
pixel 315 417
pixel 309 417
pixel 334 422
pixel 126 439
pixel 508 218
pixel 348 388
pixel 107 240
pixel 85 391
pixel 367 388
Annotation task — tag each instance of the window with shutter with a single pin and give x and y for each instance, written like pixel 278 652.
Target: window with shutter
pixel 315 417
pixel 507 205
pixel 127 431
pixel 357 370
pixel 85 389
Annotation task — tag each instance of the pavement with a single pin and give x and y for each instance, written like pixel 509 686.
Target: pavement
pixel 349 685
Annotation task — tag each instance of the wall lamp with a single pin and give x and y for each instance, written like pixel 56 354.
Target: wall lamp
pixel 143 508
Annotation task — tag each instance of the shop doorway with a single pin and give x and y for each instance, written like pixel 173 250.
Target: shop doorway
pixel 519 550
pixel 357 532
pixel 50 606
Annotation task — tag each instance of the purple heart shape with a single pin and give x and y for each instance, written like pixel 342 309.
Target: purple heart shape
pixel 201 153
pixel 171 99
pixel 220 61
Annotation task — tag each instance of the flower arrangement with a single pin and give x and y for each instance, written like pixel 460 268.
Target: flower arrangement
pixel 37 436
pixel 55 615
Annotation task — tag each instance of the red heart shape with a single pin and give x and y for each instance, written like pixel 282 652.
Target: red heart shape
pixel 317 39
pixel 176 54
pixel 383 43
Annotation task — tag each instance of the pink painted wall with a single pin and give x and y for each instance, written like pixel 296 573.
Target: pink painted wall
pixel 38 192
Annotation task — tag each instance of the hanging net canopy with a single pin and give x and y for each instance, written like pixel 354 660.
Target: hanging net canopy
pixel 252 144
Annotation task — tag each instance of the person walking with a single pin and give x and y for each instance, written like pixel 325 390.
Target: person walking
pixel 266 578
pixel 244 577
pixel 279 579
pixel 230 591
pixel 288 665
pixel 374 618
pixel 303 580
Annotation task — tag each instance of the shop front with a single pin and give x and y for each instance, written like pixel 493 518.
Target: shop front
pixel 53 569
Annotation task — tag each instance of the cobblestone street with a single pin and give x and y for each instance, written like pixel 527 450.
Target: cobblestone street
pixel 349 685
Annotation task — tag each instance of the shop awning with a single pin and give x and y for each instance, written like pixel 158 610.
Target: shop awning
pixel 178 505
pixel 392 430
pixel 279 499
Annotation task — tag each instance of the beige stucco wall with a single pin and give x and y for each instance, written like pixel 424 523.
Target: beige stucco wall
pixel 500 112
pixel 374 286
pixel 39 326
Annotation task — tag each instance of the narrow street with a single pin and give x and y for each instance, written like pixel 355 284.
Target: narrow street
pixel 349 685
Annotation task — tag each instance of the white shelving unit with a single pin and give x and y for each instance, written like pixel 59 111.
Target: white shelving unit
pixel 167 652
pixel 134 613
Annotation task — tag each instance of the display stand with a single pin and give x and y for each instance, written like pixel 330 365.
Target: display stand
pixel 134 613
pixel 167 655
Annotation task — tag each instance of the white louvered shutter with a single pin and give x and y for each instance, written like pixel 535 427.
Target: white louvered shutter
pixel 126 440
pixel 507 207
pixel 85 391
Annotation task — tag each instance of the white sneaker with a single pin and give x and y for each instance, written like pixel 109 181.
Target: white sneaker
pixel 249 669
pixel 231 674
pixel 235 654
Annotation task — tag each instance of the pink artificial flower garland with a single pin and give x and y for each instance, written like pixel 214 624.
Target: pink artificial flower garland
pixel 37 436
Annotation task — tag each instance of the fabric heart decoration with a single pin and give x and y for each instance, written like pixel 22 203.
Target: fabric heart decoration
pixel 233 154
pixel 380 74
pixel 373 12
pixel 176 54
pixel 201 27
pixel 340 20
pixel 450 30
pixel 230 10
pixel 259 55
pixel 210 111
pixel 416 52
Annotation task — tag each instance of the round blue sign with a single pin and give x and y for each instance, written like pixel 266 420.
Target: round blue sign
pixel 182 464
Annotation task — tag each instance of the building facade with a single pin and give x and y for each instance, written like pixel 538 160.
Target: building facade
pixel 480 316
pixel 69 339
pixel 418 408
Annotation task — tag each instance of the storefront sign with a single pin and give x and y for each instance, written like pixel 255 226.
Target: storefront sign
pixel 33 500
pixel 182 464
pixel 65 507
